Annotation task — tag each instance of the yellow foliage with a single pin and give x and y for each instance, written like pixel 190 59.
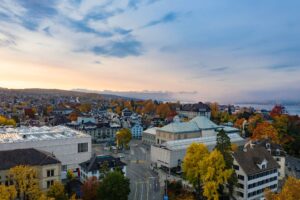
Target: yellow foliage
pixel 208 169
pixel 290 191
pixel 25 181
pixel 5 121
pixel 7 192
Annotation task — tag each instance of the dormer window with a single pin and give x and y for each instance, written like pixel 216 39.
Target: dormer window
pixel 263 166
pixel 277 152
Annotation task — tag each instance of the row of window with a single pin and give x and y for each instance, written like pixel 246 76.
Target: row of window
pixel 82 147
pixel 262 174
pixel 262 182
pixel 257 192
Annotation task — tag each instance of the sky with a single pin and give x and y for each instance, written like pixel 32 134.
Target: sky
pixel 195 50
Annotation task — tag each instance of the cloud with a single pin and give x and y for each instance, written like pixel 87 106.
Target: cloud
pixel 167 18
pixel 122 48
pixel 134 3
pixel 283 67
pixel 219 69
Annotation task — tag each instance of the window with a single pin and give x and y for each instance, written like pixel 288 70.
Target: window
pixel 82 147
pixel 64 167
pixel 49 183
pixel 263 166
pixel 50 173
pixel 236 167
pixel 241 177
pixel 277 159
pixel 241 185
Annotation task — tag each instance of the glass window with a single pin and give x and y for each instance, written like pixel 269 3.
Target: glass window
pixel 82 147
pixel 50 173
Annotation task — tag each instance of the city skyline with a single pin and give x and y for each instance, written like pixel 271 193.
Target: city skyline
pixel 224 51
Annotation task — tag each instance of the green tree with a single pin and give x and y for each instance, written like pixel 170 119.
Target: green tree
pixel 281 124
pixel 104 169
pixel 57 191
pixel 225 148
pixel 115 186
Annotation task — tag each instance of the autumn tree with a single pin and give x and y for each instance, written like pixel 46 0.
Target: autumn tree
pixel 7 192
pixel 281 124
pixel 7 122
pixel 89 188
pixel 290 191
pixel 163 110
pixel 205 170
pixel 149 107
pixel 26 182
pixel 123 137
pixel 115 186
pixel 214 107
pixel 277 110
pixel 239 123
pixel 253 122
pixel 265 130
pixel 85 107
pixel 57 191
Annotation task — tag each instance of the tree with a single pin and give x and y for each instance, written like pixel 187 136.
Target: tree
pixel 89 188
pixel 239 123
pixel 290 191
pixel 57 191
pixel 8 192
pixel 4 121
pixel 25 181
pixel 205 170
pixel 265 130
pixel 277 110
pixel 123 137
pixel 163 110
pixel 214 107
pixel 224 146
pixel 281 124
pixel 253 122
pixel 104 169
pixel 115 186
pixel 214 174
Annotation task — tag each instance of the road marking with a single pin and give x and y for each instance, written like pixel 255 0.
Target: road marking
pixel 142 191
pixel 131 152
pixel 143 150
pixel 148 190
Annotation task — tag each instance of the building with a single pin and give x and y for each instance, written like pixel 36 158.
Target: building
pixel 256 170
pixel 194 110
pixel 69 146
pixel 277 152
pixel 199 126
pixel 126 113
pixel 148 136
pixel 136 131
pixel 93 166
pixel 171 153
pixel 48 167
pixel 83 120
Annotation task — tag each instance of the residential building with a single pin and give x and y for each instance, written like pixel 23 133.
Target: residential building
pixel 93 166
pixel 194 110
pixel 171 153
pixel 148 136
pixel 136 131
pixel 48 167
pixel 256 170
pixel 126 113
pixel 69 146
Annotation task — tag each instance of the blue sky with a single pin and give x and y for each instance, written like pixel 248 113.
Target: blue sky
pixel 226 50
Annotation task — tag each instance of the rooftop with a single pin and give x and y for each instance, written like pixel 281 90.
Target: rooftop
pixel 25 134
pixel 151 131
pixel 30 157
pixel 208 141
pixel 96 162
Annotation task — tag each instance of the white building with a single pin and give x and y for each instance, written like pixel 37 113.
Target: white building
pixel 256 170
pixel 170 154
pixel 148 136
pixel 93 166
pixel 71 147
pixel 136 131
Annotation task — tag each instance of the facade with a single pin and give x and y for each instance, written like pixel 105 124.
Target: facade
pixel 256 170
pixel 69 146
pixel 148 136
pixel 93 166
pixel 199 126
pixel 136 131
pixel 48 167
pixel 194 110
pixel 170 154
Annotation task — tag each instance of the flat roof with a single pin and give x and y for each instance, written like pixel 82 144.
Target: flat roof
pixel 25 134
pixel 208 141
pixel 151 131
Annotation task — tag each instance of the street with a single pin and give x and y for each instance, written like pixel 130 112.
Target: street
pixel 144 183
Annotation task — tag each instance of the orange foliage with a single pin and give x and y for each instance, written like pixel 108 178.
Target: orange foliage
pixel 239 123
pixel 265 130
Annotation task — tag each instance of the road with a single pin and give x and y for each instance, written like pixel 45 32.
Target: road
pixel 144 183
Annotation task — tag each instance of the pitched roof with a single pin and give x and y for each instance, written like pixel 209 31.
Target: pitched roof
pixel 196 124
pixel 32 157
pixel 96 161
pixel 195 107
pixel 249 159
